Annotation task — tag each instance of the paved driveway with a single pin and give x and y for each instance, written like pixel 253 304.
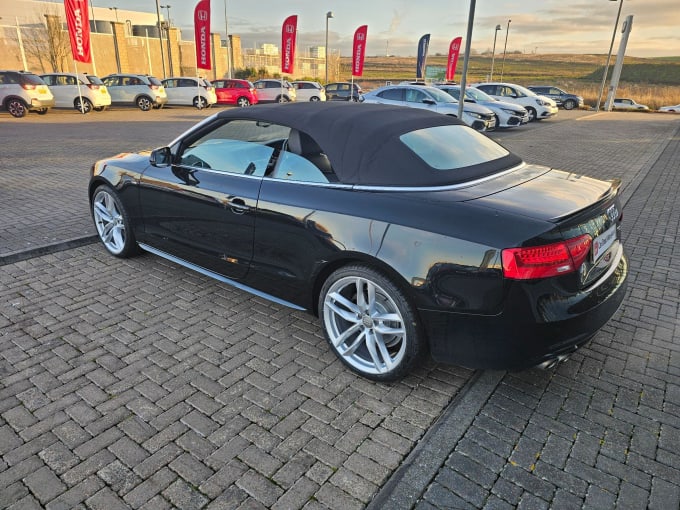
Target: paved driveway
pixel 137 383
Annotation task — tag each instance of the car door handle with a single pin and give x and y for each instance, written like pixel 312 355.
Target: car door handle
pixel 238 206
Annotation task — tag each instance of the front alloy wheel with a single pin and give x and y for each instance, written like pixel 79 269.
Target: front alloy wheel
pixel 243 102
pixel 369 323
pixel 200 103
pixel 112 223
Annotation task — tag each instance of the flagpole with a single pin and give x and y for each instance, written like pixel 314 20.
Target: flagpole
pixel 80 93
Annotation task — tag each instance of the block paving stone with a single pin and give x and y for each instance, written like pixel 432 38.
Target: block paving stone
pixel 139 384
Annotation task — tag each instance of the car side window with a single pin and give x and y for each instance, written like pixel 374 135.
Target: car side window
pixel 239 146
pixel 415 96
pixel 293 167
pixel 392 94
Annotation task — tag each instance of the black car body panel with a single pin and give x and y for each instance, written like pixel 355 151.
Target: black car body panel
pixel 441 244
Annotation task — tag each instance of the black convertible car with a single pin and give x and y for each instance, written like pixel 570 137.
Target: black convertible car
pixel 405 231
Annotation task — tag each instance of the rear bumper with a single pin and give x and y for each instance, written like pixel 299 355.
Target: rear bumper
pixel 39 104
pixel 538 324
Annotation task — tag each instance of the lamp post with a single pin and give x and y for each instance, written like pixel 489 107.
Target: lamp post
pixel 114 9
pixel 167 32
pixel 493 52
pixel 160 36
pixel 329 15
pixel 230 50
pixel 609 56
pixel 507 30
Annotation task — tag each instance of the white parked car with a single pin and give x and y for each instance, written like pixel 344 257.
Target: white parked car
pixel 188 91
pixel 143 91
pixel 539 107
pixel 309 91
pixel 21 92
pixel 621 103
pixel 674 109
pixel 507 114
pixel 431 98
pixel 69 88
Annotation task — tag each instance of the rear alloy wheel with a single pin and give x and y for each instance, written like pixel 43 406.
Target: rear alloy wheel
pixel 200 103
pixel 569 104
pixel 144 103
pixel 87 105
pixel 282 99
pixel 242 102
pixel 315 98
pixel 17 108
pixel 42 111
pixel 112 223
pixel 532 114
pixel 370 324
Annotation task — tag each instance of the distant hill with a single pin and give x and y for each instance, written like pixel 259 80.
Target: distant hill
pixel 528 68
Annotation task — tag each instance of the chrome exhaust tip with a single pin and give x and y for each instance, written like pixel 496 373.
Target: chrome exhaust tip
pixel 553 362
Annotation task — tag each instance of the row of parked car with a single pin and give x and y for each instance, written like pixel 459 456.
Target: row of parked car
pixel 22 91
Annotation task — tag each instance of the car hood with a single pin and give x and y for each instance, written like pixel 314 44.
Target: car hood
pixel 502 104
pixel 540 192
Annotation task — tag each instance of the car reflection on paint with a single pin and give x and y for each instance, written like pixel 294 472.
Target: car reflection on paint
pixel 406 232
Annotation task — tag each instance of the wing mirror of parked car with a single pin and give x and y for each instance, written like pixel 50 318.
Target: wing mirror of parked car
pixel 429 101
pixel 161 157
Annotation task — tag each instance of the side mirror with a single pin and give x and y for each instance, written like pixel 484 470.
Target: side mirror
pixel 429 101
pixel 161 157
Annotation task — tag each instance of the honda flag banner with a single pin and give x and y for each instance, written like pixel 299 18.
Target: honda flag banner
pixel 78 22
pixel 423 45
pixel 359 50
pixel 288 34
pixel 202 34
pixel 454 51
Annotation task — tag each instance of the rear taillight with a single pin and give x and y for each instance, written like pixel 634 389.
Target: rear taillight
pixel 28 86
pixel 92 86
pixel 547 260
pixel 153 87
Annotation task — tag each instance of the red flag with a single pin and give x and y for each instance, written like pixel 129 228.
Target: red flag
pixel 288 33
pixel 202 34
pixel 78 21
pixel 359 50
pixel 454 51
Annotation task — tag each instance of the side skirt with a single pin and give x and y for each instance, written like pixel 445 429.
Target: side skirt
pixel 219 277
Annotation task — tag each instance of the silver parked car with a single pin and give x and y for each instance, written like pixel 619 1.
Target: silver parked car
pixel 430 98
pixel 621 103
pixel 539 107
pixel 274 91
pixel 507 114
pixel 143 91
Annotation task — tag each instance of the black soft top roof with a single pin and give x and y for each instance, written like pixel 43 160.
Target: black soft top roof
pixel 362 141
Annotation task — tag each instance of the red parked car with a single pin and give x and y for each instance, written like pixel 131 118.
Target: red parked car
pixel 238 92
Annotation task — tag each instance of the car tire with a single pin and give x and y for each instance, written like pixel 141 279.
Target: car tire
pixel 42 111
pixel 569 104
pixel 378 336
pixel 315 98
pixel 16 108
pixel 144 103
pixel 87 105
pixel 242 102
pixel 100 108
pixel 200 103
pixel 532 114
pixel 282 99
pixel 113 223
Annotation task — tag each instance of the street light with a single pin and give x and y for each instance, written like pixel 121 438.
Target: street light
pixel 493 52
pixel 160 36
pixel 114 9
pixel 505 48
pixel 167 32
pixel 609 57
pixel 329 15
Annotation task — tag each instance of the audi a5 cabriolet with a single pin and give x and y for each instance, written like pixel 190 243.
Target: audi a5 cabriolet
pixel 406 232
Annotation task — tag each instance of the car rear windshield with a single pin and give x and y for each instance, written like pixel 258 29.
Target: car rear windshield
pixel 33 79
pixel 94 80
pixel 155 81
pixel 452 147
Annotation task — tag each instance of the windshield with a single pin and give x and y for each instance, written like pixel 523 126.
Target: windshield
pixel 440 96
pixel 478 95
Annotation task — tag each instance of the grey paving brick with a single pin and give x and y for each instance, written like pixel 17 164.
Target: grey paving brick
pixel 149 488
pixel 260 488
pixel 76 494
pixel 106 499
pixel 224 479
pixel 664 495
pixel 466 489
pixel 13 494
pixel 44 484
pixel 120 478
pixel 333 497
pixel 191 469
pixel 183 496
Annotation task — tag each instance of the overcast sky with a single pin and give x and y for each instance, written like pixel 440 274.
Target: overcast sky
pixel 554 26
